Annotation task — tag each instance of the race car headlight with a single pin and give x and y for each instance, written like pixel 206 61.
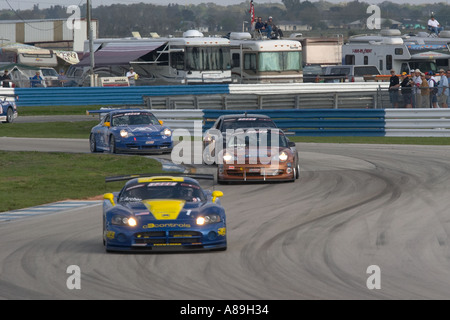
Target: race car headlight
pixel 208 138
pixel 227 157
pixel 124 133
pixel 123 221
pixel 208 219
pixel 166 132
pixel 283 156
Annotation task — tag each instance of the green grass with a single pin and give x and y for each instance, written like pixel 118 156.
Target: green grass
pixel 74 130
pixel 55 110
pixel 34 178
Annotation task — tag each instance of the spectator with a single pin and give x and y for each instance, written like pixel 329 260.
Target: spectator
pixel 406 85
pixel 417 96
pixel 36 81
pixel 274 28
pixel 261 27
pixel 442 93
pixel 5 79
pixel 132 77
pixel 394 84
pixel 424 92
pixel 432 85
pixel 64 81
pixel 434 26
pixel 448 80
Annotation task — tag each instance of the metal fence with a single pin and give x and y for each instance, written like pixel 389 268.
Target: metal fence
pixel 417 122
pixel 331 100
pixel 331 122
pixel 267 96
pixel 318 122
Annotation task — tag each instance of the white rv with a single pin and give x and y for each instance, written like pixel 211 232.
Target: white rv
pixel 390 50
pixel 265 61
pixel 27 55
pixel 191 59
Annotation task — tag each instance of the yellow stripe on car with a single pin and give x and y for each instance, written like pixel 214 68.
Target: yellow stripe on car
pixel 162 179
pixel 164 209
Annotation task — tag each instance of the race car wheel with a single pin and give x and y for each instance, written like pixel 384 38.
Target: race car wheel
pixel 297 171
pixel 112 144
pixel 9 116
pixel 92 144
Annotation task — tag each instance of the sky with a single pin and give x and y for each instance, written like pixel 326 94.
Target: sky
pixel 27 4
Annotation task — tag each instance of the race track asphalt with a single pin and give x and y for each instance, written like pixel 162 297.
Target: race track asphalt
pixel 354 206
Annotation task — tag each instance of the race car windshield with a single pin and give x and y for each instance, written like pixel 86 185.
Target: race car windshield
pixel 244 123
pixel 260 139
pixel 163 190
pixel 134 119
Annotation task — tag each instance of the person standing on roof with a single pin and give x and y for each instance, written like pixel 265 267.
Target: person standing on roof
pixel 261 27
pixel 434 25
pixel 274 28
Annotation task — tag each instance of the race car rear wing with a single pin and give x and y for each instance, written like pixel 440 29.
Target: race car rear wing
pixel 102 111
pixel 197 176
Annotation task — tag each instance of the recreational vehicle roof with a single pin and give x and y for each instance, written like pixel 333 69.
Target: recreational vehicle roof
pixel 191 40
pixel 268 45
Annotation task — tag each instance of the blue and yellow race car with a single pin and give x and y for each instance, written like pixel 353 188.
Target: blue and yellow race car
pixel 154 213
pixel 131 131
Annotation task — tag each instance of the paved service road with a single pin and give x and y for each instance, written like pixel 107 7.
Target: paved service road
pixel 355 206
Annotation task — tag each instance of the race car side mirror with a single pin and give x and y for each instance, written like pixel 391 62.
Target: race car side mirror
pixel 107 124
pixel 110 197
pixel 216 194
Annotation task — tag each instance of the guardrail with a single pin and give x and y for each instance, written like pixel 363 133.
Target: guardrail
pixel 417 122
pixel 56 96
pixel 318 122
pixel 297 88
pixel 233 96
pixel 328 100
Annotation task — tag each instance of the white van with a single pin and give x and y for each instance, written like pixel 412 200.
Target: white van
pixel 21 75
pixel 351 73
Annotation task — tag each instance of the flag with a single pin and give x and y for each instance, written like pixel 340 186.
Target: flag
pixel 252 14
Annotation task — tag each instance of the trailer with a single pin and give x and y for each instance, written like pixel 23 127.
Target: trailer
pixel 323 51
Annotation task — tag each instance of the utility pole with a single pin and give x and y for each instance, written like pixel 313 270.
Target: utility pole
pixel 91 41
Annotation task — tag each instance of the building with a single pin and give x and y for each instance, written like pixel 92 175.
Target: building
pixel 292 26
pixel 57 34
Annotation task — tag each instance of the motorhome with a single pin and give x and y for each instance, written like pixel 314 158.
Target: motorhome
pixel 27 55
pixel 389 50
pixel 265 60
pixel 191 59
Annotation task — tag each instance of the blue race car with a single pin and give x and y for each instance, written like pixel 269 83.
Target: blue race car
pixel 131 131
pixel 163 213
pixel 8 110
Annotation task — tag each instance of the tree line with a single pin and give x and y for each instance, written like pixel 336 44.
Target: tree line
pixel 119 20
